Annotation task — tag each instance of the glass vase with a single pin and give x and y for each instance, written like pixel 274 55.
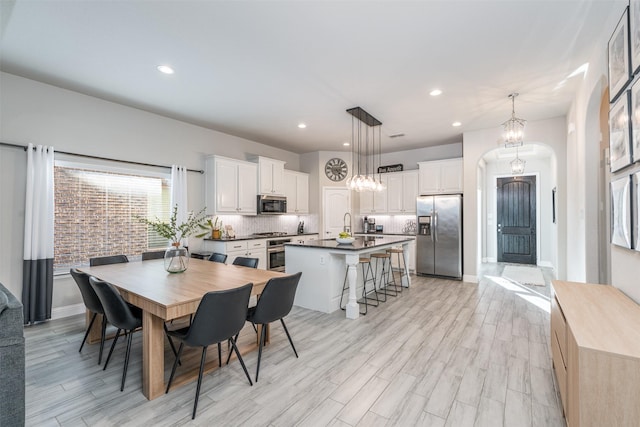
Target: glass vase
pixel 176 258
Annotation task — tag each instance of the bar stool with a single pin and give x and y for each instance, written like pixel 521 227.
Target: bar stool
pixel 367 276
pixel 402 266
pixel 386 279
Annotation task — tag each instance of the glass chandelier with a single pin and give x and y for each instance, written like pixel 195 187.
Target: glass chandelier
pixel 363 134
pixel 514 127
pixel 517 165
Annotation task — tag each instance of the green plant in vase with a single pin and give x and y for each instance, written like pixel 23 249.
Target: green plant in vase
pixel 212 227
pixel 176 258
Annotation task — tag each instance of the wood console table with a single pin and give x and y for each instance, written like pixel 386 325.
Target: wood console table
pixel 595 346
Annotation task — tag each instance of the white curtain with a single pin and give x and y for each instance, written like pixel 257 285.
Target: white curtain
pixel 179 194
pixel 37 282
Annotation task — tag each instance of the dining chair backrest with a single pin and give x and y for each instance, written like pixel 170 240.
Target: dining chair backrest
pixel 146 256
pixel 115 308
pixel 246 262
pixel 276 299
pixel 89 296
pixel 220 315
pixel 104 260
pixel 217 257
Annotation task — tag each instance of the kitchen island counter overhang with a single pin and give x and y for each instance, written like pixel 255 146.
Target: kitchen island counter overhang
pixel 323 264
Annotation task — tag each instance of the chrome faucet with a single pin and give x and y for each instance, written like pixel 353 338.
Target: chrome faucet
pixel 345 228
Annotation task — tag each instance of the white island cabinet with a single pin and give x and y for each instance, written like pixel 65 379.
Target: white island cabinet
pixel 323 264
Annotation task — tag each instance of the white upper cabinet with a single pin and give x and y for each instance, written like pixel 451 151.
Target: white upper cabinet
pixel 402 190
pixel 271 176
pixel 441 176
pixel 231 186
pixel 296 190
pixel 374 201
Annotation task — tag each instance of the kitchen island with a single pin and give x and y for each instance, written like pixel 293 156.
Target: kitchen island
pixel 323 264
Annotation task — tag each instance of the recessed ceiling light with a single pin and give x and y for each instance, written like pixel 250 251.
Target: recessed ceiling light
pixel 302 125
pixel 456 124
pixel 435 92
pixel 346 144
pixel 165 69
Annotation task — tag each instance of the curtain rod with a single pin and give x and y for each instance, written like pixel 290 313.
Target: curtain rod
pixel 24 147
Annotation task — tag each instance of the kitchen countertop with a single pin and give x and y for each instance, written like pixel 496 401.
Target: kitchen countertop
pixel 383 234
pixel 254 237
pixel 360 243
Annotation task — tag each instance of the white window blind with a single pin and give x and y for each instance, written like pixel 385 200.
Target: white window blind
pixel 96 210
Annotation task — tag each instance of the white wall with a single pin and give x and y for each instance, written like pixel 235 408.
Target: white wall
pixel 77 123
pixel 410 158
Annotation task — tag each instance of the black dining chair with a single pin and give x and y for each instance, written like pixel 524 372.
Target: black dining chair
pixel 246 262
pixel 93 304
pixel 220 317
pixel 274 303
pixel 216 257
pixel 105 260
pixel 121 315
pixel 147 256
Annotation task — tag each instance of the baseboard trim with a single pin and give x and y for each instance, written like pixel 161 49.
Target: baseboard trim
pixel 67 311
pixel 469 278
pixel 491 259
pixel 546 264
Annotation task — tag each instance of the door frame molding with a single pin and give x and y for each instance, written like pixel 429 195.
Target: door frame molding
pixel 494 235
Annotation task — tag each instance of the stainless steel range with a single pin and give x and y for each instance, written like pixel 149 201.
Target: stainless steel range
pixel 275 250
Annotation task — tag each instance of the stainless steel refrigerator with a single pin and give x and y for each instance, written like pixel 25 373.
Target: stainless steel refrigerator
pixel 439 236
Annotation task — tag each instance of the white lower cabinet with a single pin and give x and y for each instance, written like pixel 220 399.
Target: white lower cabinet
pixel 256 248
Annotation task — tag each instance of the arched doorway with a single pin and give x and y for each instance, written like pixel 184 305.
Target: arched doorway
pixel 494 168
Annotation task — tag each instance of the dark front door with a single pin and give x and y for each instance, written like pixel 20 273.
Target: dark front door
pixel 517 219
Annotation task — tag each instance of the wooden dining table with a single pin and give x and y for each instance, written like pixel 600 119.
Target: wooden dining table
pixel 164 296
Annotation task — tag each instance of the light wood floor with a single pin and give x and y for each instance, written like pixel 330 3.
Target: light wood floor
pixel 444 353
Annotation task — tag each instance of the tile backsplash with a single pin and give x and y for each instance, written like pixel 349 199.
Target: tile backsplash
pixel 247 225
pixel 391 223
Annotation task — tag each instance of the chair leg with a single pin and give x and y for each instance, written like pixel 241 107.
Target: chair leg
pixel 244 368
pixel 289 336
pixel 262 339
pixel 228 343
pixel 86 334
pixel 219 355
pixel 126 360
pixel 202 360
pixel 175 366
pixel 173 347
pixel 103 336
pixel 344 287
pixel 113 345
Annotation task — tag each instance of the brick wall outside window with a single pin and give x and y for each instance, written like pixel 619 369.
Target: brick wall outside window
pixel 95 214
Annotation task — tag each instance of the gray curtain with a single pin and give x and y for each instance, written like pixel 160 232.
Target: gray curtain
pixel 37 281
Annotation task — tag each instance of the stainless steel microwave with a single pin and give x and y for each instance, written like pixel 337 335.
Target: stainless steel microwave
pixel 272 205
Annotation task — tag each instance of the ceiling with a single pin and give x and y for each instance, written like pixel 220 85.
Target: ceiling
pixel 256 69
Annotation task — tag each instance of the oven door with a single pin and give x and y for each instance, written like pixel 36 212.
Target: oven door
pixel 275 259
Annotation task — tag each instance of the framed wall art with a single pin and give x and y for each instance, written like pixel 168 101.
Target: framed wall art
pixel 635 209
pixel 619 133
pixel 621 212
pixel 634 34
pixel 618 53
pixel 634 111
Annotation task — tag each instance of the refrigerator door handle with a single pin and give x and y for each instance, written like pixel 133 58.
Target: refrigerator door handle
pixel 434 232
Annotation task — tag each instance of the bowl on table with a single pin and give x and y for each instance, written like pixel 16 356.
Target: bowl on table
pixel 345 240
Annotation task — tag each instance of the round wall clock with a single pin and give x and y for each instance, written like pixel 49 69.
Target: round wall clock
pixel 336 169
